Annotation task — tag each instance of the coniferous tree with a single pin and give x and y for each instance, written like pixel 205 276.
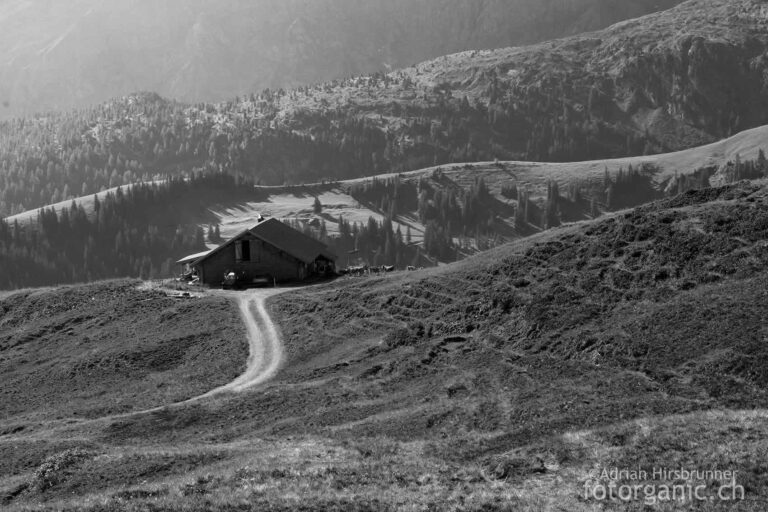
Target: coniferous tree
pixel 551 212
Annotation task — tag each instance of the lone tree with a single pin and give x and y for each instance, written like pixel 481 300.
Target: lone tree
pixel 214 235
pixel 317 207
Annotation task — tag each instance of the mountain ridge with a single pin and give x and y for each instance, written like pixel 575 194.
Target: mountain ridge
pixel 201 51
pixel 641 87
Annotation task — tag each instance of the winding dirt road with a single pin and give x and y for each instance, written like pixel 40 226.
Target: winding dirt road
pixel 265 348
pixel 264 359
pixel 264 343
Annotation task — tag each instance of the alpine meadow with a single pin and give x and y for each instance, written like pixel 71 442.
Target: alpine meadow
pixel 383 255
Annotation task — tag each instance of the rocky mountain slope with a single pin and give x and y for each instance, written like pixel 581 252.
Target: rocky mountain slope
pixel 667 81
pixel 84 52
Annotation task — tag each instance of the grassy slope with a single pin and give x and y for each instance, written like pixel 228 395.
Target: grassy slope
pixel 105 348
pixel 298 205
pixel 238 213
pixel 622 309
pixel 87 202
pixel 318 474
pixel 30 216
pixel 287 204
pixel 500 381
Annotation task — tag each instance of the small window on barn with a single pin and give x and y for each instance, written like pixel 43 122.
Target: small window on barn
pixel 242 250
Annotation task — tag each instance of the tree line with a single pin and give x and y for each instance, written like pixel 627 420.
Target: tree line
pixel 304 135
pixel 137 231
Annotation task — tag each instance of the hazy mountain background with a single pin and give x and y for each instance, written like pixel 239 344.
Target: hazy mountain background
pixel 663 82
pixel 70 54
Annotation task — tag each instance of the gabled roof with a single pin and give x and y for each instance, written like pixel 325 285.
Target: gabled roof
pixel 192 257
pixel 279 235
pixel 291 241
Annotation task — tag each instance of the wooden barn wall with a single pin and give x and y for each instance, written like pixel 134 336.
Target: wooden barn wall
pixel 265 260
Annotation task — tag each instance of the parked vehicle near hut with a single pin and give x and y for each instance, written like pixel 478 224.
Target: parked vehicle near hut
pixel 239 280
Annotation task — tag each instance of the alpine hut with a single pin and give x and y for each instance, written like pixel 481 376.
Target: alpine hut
pixel 270 250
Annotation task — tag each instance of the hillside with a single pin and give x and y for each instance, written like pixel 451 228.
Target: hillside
pixel 638 87
pixel 645 296
pixel 744 145
pixel 296 203
pixel 218 201
pixel 61 57
pixel 107 348
pixel 665 81
pixel 506 379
